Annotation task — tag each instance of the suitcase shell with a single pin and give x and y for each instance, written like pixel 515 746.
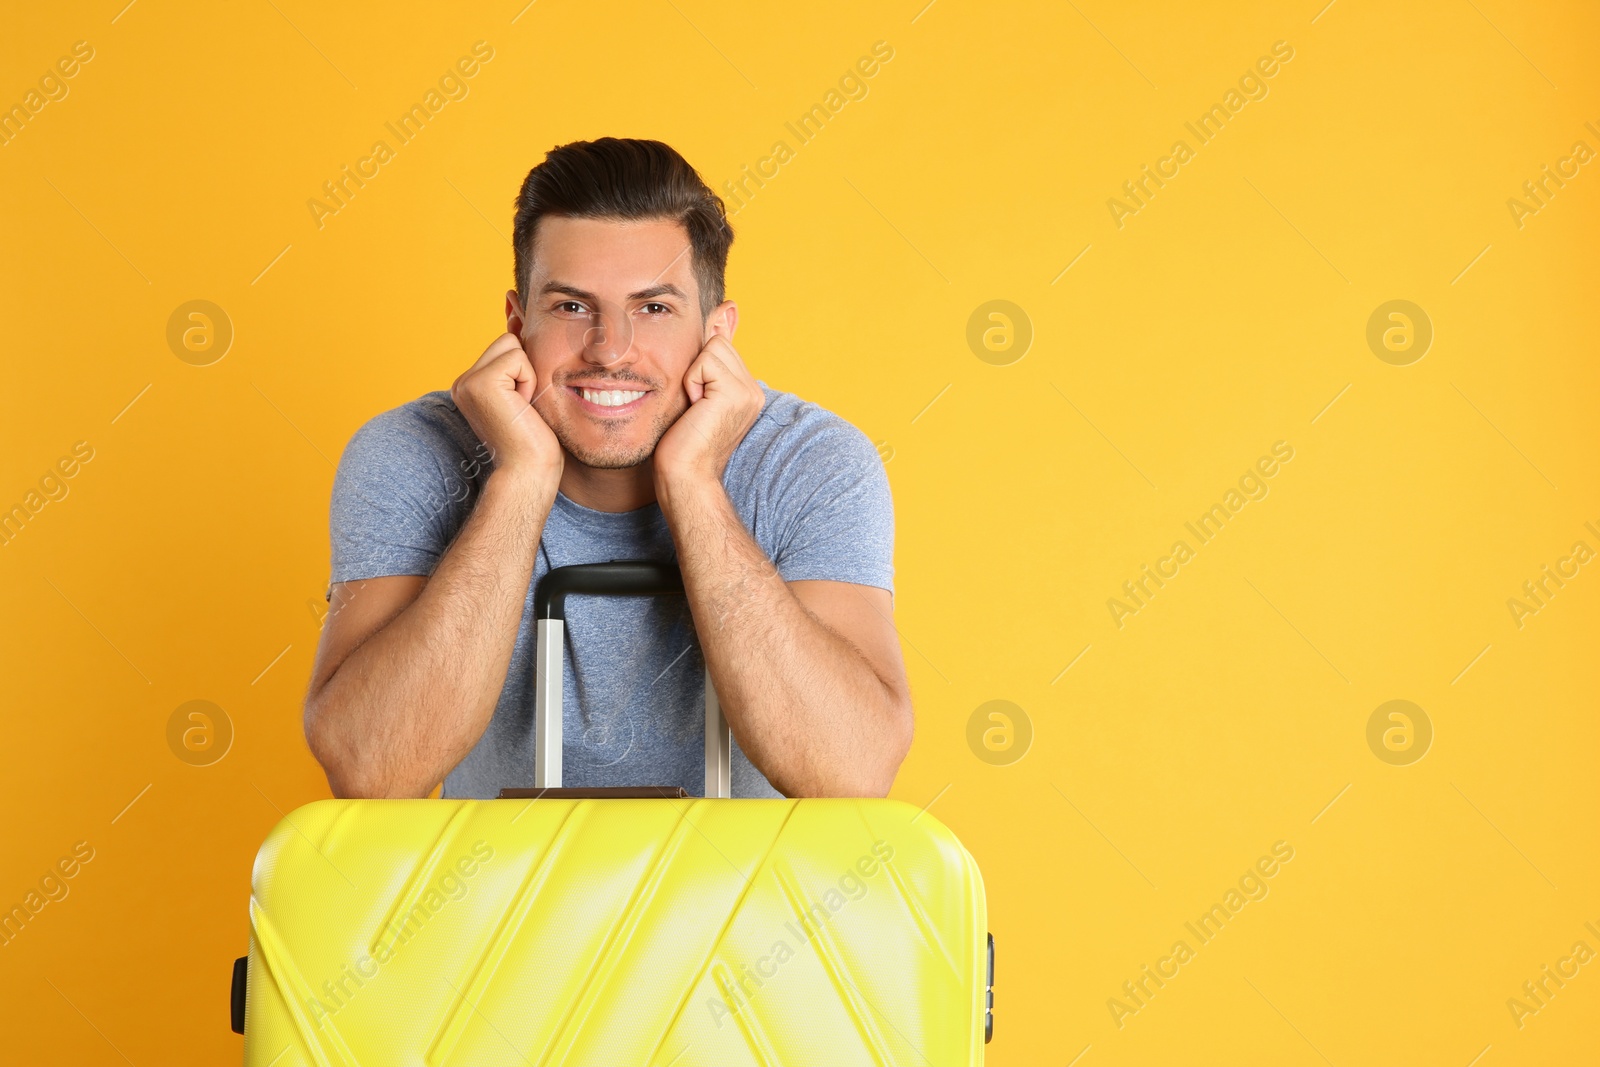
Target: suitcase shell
pixel 669 932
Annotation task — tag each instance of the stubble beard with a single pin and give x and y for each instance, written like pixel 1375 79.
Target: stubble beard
pixel 615 451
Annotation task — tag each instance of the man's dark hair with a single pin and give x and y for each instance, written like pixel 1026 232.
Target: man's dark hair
pixel 625 178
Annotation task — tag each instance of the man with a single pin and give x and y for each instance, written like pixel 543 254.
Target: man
pixel 613 420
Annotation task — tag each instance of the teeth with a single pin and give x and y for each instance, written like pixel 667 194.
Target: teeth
pixel 610 398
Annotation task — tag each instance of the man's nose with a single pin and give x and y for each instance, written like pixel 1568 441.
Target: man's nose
pixel 607 339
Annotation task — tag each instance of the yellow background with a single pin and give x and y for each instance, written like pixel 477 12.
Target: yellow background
pixel 1226 315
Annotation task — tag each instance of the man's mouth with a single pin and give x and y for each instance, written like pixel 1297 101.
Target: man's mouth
pixel 609 401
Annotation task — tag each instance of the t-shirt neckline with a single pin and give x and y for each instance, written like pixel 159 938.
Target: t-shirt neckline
pixel 638 518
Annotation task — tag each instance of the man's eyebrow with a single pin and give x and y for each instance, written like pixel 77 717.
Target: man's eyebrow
pixel 567 290
pixel 660 289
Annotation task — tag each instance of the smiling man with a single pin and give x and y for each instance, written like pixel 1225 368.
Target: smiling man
pixel 613 420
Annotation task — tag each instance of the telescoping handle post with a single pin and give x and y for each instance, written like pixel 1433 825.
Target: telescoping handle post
pixel 617 578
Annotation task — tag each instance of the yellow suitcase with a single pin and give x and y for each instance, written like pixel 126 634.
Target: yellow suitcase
pixel 563 928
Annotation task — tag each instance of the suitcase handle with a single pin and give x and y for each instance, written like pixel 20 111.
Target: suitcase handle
pixel 616 578
pixel 626 577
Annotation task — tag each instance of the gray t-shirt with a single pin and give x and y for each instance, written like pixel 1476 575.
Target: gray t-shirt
pixel 808 485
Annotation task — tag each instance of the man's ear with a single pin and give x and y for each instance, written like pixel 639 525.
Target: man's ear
pixel 515 319
pixel 724 319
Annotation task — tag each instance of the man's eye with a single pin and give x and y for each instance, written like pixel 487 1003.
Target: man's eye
pixel 570 306
pixel 662 308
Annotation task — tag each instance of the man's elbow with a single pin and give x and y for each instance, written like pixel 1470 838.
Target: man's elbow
pixel 349 780
pixel 902 727
pixel 348 776
pixel 899 725
pixel 348 783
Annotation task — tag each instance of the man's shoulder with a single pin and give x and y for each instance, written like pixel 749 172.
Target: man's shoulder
pixel 431 417
pixel 427 428
pixel 791 430
pixel 813 490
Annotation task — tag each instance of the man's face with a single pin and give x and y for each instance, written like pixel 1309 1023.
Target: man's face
pixel 612 324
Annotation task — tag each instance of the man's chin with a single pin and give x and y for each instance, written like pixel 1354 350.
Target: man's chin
pixel 607 455
pixel 611 459
pixel 618 446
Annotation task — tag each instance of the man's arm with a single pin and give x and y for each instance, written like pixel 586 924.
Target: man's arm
pixel 809 675
pixel 409 670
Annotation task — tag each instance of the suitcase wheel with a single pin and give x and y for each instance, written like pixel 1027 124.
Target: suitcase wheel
pixel 989 995
pixel 241 970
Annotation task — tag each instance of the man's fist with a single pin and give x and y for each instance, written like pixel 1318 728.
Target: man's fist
pixel 496 395
pixel 724 402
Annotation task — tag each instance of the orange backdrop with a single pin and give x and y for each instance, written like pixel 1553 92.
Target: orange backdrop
pixel 1230 364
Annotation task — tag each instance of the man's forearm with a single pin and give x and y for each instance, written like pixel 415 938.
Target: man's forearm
pixel 806 705
pixel 411 701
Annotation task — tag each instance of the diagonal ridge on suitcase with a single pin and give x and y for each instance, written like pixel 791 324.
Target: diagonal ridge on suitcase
pixel 315 1036
pixel 616 941
pixel 919 915
pixel 479 976
pixel 755 1038
pixel 716 943
pixel 838 975
pixel 330 835
pixel 421 877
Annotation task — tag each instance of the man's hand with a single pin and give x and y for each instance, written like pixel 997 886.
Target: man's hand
pixel 724 402
pixel 496 396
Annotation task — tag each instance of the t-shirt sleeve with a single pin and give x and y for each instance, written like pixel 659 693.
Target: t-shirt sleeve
pixel 397 502
pixel 836 512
